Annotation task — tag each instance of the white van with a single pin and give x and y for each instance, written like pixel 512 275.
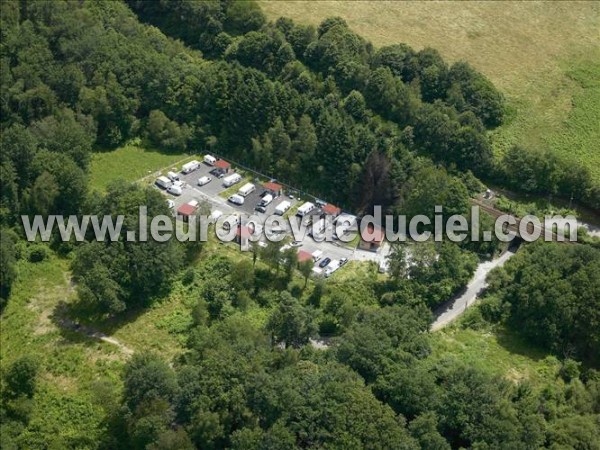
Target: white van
pixel 210 160
pixel 282 208
pixel 317 255
pixel 215 215
pixel 232 179
pixel 236 199
pixel 204 180
pixel 305 209
pixel 190 167
pixel 163 182
pixel 175 189
pixel 172 176
pixel 266 200
pixel 246 189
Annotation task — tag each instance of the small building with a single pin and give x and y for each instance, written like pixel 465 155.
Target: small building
pixel 303 256
pixel 187 210
pixel 331 210
pixel 275 189
pixel 242 237
pixel 223 165
pixel 371 238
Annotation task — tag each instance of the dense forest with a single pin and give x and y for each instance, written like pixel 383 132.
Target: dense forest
pixel 390 126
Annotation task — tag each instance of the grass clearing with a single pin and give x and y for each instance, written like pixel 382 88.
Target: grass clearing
pixel 528 49
pixel 499 352
pixel 129 162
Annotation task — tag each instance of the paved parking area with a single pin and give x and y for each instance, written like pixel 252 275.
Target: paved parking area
pixel 210 193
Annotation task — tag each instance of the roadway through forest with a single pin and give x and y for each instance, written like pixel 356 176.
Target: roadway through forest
pixel 454 308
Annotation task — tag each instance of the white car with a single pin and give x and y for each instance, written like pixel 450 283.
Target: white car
pixel 236 199
pixel 204 180
pixel 170 203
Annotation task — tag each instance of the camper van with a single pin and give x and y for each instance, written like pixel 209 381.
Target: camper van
pixel 210 160
pixel 163 182
pixel 172 176
pixel 305 209
pixel 232 179
pixel 282 208
pixel 246 189
pixel 175 189
pixel 190 167
pixel 236 199
pixel 266 200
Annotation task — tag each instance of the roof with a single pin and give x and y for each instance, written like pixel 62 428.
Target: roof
pixel 187 210
pixel 222 164
pixel 275 187
pixel 373 234
pixel 331 210
pixel 303 255
pixel 243 231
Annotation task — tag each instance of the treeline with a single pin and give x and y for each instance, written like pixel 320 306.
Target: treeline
pixel 377 387
pixel 79 76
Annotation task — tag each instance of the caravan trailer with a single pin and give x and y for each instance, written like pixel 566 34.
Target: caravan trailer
pixel 246 189
pixel 210 160
pixel 282 208
pixel 305 209
pixel 232 179
pixel 190 167
pixel 163 182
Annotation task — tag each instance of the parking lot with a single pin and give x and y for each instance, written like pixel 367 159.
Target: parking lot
pixel 210 193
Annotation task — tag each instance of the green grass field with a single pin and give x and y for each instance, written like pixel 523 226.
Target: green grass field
pixel 130 162
pixel 539 54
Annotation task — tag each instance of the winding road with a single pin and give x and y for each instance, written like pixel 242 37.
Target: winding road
pixel 454 308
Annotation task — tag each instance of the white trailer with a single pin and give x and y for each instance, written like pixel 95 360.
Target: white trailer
pixel 282 208
pixel 190 167
pixel 210 160
pixel 305 209
pixel 232 179
pixel 163 182
pixel 246 189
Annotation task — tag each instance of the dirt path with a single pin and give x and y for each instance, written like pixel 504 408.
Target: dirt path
pixel 64 322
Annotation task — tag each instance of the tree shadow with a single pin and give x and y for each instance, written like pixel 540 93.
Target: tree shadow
pixel 514 342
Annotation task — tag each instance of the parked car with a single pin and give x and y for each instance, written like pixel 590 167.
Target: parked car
pixel 219 173
pixel 296 244
pixel 176 189
pixel 266 200
pixel 236 199
pixel 204 180
pixel 343 261
pixel 170 203
pixel 261 209
pixel 324 263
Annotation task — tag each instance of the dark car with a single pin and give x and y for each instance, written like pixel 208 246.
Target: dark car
pixel 324 262
pixel 261 209
pixel 217 172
